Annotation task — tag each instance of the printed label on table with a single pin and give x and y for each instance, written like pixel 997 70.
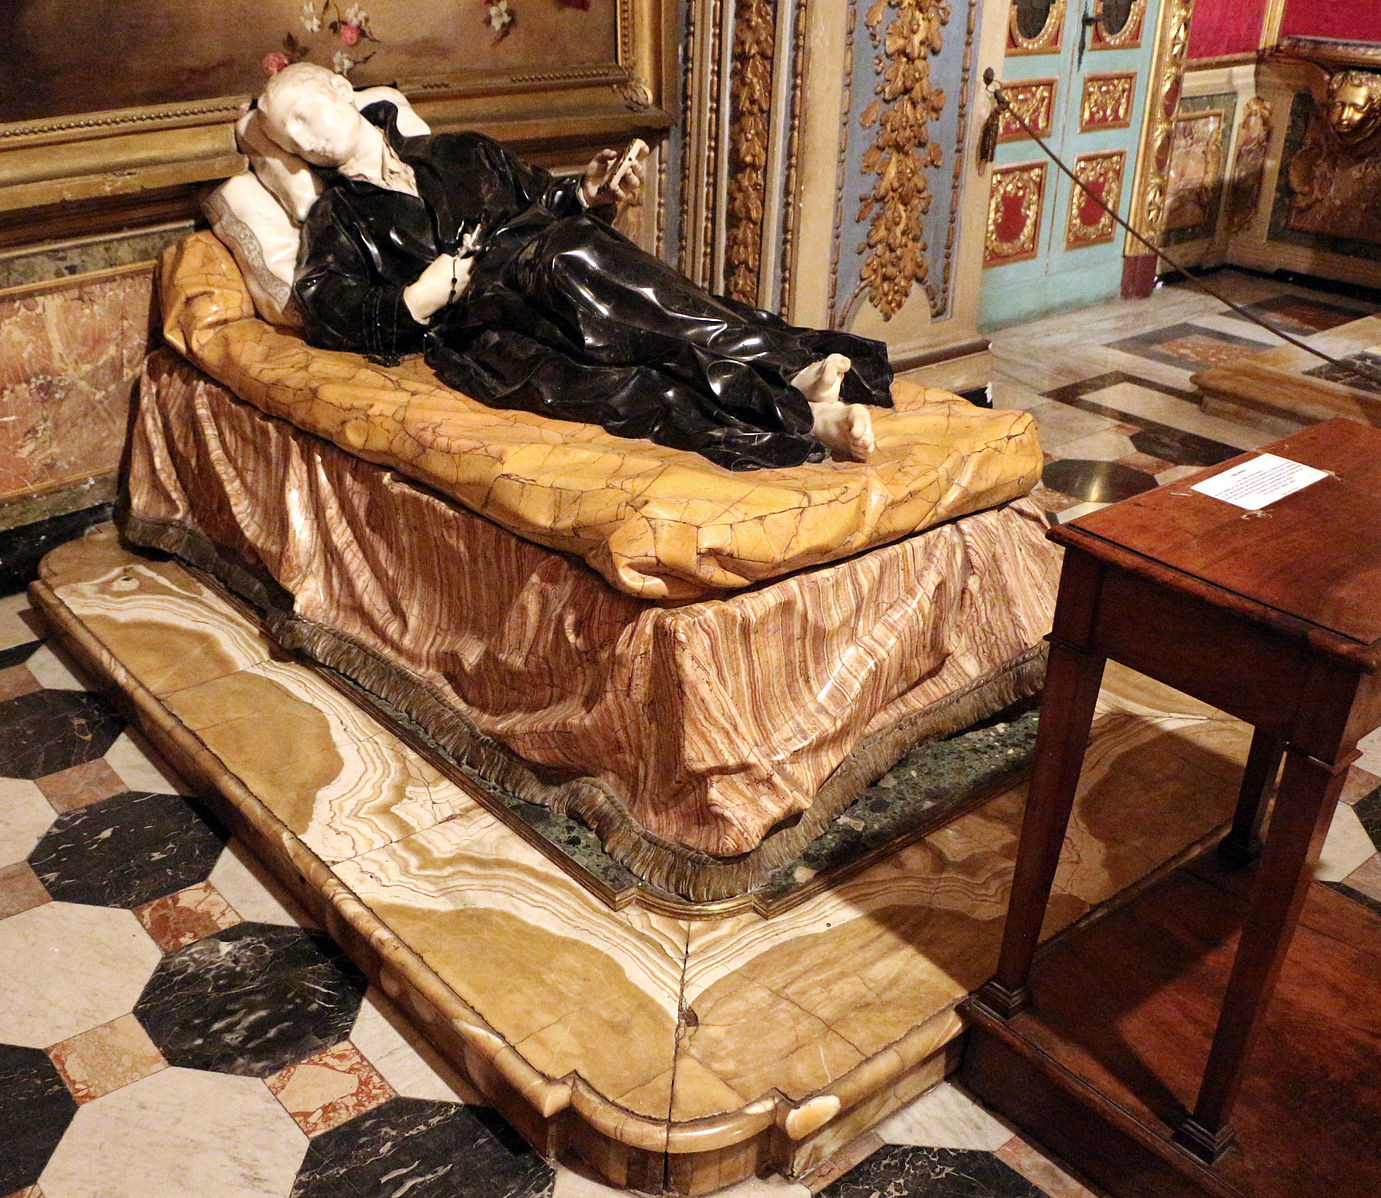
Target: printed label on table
pixel 1263 480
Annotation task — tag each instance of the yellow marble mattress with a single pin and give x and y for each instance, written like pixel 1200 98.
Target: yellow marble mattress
pixel 657 523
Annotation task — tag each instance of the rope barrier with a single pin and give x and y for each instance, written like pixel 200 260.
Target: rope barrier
pixel 988 145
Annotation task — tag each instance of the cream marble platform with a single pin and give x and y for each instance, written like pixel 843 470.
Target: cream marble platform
pixel 672 1047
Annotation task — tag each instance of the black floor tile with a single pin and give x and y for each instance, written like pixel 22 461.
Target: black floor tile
pixel 17 655
pixel 127 850
pixel 22 548
pixel 1368 809
pixel 1096 482
pixel 1182 448
pixel 422 1149
pixel 35 1109
pixel 901 1171
pixel 251 1000
pixel 50 730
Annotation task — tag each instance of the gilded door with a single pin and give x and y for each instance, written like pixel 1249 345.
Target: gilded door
pixel 1078 71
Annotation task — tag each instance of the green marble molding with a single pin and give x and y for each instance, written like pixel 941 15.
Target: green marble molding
pixel 44 264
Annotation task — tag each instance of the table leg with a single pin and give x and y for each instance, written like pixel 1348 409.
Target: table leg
pixel 1242 845
pixel 1072 678
pixel 1304 807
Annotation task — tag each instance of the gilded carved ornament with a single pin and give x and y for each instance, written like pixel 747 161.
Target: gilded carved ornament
pixel 1107 101
pixel 901 150
pixel 1028 33
pixel 1119 23
pixel 1034 101
pixel 1090 220
pixel 1354 106
pixel 755 25
pixel 1014 213
pixel 1148 213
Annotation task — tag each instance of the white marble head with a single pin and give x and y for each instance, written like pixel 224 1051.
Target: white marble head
pixel 310 111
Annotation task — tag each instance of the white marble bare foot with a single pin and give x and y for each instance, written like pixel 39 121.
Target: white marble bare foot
pixel 845 429
pixel 820 381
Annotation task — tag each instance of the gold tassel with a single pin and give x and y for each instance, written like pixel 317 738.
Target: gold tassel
pixel 987 140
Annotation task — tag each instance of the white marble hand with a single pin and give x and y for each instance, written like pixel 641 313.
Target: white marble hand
pixel 441 283
pixel 613 177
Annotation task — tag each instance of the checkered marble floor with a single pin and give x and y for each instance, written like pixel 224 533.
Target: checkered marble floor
pixel 172 1026
pixel 1109 386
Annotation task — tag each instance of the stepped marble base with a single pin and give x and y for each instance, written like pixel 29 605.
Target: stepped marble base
pixel 673 1047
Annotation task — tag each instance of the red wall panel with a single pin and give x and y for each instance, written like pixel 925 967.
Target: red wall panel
pixel 1220 27
pixel 1334 20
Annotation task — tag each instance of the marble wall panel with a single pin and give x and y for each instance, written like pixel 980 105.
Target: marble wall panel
pixel 69 355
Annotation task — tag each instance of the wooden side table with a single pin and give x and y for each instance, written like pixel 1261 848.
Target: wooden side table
pixel 1274 617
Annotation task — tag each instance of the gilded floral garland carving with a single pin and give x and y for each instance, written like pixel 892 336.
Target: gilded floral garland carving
pixel 1034 101
pixel 1107 101
pixel 1090 220
pixel 755 37
pixel 1014 213
pixel 902 149
pixel 1166 76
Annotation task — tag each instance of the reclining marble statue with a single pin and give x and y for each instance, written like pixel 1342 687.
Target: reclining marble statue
pixel 522 295
pixel 703 664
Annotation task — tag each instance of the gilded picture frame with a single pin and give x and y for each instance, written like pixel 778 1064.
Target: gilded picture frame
pixel 63 141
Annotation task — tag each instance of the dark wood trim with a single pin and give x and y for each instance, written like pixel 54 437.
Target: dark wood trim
pixel 946 353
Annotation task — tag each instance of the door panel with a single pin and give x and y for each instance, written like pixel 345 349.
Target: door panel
pixel 1081 71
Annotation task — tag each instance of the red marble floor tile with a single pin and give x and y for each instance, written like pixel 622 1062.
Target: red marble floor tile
pixel 20 889
pixel 853 1153
pixel 1359 784
pixel 1050 500
pixel 324 1091
pixel 1206 350
pixel 1041 1170
pixel 16 681
pixel 81 786
pixel 106 1058
pixel 1145 462
pixel 1367 879
pixel 178 919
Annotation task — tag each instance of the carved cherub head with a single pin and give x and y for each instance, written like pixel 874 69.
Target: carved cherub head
pixel 1354 105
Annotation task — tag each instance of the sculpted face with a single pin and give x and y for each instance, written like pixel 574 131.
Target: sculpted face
pixel 1354 106
pixel 308 110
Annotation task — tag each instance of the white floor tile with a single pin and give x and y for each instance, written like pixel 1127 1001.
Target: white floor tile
pixel 139 767
pixel 15 629
pixel 54 670
pixel 25 815
pixel 68 968
pixel 251 890
pixel 1346 848
pixel 178 1133
pixel 1177 413
pixel 403 1058
pixel 945 1117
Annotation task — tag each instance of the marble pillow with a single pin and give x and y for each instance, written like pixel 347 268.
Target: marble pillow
pixel 252 224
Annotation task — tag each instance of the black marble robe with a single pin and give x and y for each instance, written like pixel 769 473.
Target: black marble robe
pixel 563 315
